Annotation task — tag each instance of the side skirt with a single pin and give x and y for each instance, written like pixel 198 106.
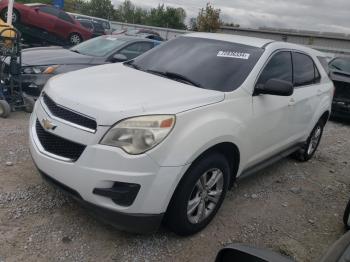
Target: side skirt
pixel 268 162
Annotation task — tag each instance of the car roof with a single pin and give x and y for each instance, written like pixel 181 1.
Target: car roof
pixel 34 4
pixel 245 40
pixel 256 42
pixel 129 38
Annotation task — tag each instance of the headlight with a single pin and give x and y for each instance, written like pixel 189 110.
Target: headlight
pixel 139 134
pixel 39 69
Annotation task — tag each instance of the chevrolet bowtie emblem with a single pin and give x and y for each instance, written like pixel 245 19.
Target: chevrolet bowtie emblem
pixel 48 125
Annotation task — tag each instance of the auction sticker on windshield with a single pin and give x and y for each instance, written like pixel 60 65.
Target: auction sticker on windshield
pixel 233 54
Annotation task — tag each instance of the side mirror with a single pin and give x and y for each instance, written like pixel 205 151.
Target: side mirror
pixel 37 9
pixel 238 252
pixel 118 58
pixel 275 87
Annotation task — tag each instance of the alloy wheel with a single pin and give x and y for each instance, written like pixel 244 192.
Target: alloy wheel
pixel 314 140
pixel 205 195
pixel 75 39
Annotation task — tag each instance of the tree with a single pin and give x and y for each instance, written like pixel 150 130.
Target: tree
pixel 167 17
pixel 99 8
pixel 208 19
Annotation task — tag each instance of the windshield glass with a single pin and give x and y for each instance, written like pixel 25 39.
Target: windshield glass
pixel 210 64
pixel 99 46
pixel 341 64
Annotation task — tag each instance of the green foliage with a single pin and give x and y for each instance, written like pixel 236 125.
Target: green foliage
pixel 208 19
pixel 160 16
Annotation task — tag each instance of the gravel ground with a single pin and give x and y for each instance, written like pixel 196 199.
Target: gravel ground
pixel 294 208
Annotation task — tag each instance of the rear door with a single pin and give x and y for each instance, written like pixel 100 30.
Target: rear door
pixel 64 24
pixel 45 18
pixel 271 124
pixel 307 93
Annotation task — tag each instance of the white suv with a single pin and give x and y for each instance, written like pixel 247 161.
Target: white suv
pixel 162 138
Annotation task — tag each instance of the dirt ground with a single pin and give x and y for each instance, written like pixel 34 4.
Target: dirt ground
pixel 294 208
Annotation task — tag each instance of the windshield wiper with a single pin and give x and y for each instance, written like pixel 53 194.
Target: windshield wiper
pixel 131 64
pixel 175 76
pixel 336 67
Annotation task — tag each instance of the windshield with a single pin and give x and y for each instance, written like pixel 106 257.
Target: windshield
pixel 210 64
pixel 342 64
pixel 99 46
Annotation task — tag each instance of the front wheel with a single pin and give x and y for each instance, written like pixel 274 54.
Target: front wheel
pixel 75 39
pixel 199 195
pixel 311 145
pixel 15 16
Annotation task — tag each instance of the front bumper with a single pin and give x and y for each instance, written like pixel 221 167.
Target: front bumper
pixel 138 223
pixel 101 167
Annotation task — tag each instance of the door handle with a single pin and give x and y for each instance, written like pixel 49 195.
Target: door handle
pixel 291 102
pixel 319 92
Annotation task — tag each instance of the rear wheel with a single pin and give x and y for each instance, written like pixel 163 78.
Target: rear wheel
pixel 311 145
pixel 75 39
pixel 15 16
pixel 5 109
pixel 199 195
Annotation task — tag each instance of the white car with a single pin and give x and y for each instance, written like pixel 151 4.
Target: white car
pixel 161 138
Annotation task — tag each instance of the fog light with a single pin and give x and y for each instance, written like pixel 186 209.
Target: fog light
pixel 122 194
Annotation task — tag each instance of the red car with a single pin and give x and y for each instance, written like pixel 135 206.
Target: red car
pixel 48 18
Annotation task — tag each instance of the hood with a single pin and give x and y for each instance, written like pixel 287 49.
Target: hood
pixel 52 56
pixel 109 93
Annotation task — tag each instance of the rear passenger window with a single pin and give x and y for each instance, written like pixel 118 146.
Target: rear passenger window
pixel 279 67
pixel 305 71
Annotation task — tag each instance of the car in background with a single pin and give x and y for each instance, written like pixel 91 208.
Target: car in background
pixel 94 27
pixel 103 22
pixel 47 18
pixel 40 64
pixel 340 74
pixel 142 32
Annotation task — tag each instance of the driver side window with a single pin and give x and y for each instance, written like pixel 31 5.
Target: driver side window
pixel 279 67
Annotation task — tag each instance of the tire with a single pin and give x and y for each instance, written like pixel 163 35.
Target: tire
pixel 346 217
pixel 311 145
pixel 184 218
pixel 15 16
pixel 5 109
pixel 29 104
pixel 75 39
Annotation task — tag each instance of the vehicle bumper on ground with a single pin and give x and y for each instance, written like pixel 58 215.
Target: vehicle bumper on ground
pixel 102 167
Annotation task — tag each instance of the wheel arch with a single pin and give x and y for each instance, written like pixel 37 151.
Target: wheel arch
pixel 325 116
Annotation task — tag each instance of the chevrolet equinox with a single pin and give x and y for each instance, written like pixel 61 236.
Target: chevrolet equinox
pixel 161 138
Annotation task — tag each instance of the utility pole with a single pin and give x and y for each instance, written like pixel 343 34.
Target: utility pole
pixel 10 11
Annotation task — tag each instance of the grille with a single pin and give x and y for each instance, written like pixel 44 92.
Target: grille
pixel 57 145
pixel 69 115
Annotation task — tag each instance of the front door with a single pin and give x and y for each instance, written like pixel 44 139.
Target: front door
pixel 272 115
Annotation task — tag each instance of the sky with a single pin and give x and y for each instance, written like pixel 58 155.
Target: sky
pixel 318 15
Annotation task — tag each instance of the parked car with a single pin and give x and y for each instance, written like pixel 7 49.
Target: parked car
pixel 42 63
pixel 162 137
pixel 147 36
pixel 144 33
pixel 340 74
pixel 339 252
pixel 48 18
pixel 94 27
pixel 103 22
